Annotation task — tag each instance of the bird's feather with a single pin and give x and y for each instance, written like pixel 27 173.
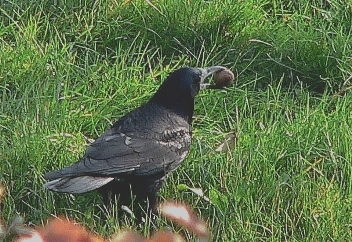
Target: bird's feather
pixel 152 147
pixel 78 184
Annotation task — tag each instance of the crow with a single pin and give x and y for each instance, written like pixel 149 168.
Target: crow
pixel 137 153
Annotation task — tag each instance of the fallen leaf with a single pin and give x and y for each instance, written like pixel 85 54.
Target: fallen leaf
pixel 166 236
pixel 60 230
pixel 183 215
pixel 127 236
pixel 2 191
pixel 229 143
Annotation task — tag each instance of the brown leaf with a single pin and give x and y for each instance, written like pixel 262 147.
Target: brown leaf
pixel 229 143
pixel 166 236
pixel 183 215
pixel 2 191
pixel 127 236
pixel 60 230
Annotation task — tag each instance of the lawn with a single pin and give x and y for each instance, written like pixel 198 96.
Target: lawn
pixel 69 69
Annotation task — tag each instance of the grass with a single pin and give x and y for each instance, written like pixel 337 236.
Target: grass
pixel 69 69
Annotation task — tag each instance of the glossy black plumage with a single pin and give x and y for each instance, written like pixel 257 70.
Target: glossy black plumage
pixel 142 148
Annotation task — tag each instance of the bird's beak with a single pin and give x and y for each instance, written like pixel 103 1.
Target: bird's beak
pixel 206 72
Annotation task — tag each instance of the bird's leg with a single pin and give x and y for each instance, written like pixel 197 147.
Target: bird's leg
pixel 152 195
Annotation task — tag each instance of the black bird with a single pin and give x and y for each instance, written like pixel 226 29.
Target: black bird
pixel 138 152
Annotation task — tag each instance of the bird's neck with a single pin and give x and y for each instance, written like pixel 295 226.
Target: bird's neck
pixel 182 106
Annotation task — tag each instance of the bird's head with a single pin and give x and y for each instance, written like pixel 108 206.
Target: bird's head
pixel 177 92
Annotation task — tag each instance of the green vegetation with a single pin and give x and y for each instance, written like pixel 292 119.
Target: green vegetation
pixel 68 69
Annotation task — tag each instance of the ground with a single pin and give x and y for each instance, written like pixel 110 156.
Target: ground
pixel 69 69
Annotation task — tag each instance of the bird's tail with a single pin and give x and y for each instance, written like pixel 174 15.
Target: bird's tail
pixel 78 184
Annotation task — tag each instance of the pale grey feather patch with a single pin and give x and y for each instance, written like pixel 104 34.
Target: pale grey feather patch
pixel 79 184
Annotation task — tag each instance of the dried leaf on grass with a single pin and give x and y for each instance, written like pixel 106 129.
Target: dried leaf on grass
pixel 228 144
pixel 183 215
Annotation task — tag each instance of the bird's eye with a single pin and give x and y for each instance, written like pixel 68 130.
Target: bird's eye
pixel 196 81
pixel 195 85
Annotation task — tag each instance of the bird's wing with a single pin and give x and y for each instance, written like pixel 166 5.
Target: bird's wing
pixel 139 153
pixel 78 184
